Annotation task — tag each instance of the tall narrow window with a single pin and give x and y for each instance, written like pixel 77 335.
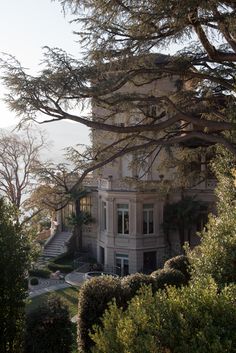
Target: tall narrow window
pixel 148 219
pixel 126 168
pixel 123 218
pixel 152 111
pixel 86 204
pixel 104 215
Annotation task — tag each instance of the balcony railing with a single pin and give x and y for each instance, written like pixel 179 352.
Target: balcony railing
pixel 148 185
pixel 122 184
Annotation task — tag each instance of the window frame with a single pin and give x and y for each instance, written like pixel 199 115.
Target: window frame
pixel 86 204
pixel 148 209
pixel 104 215
pixel 123 211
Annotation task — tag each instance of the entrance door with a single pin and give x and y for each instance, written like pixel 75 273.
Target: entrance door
pixel 122 264
pixel 149 261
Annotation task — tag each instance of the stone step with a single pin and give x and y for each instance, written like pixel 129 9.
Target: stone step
pixel 60 238
pixel 51 252
pixel 55 247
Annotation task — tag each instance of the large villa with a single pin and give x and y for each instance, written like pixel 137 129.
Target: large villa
pixel 127 200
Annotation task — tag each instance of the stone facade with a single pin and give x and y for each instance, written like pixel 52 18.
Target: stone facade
pixel 127 202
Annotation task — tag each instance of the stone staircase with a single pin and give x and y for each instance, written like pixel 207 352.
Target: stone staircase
pixel 56 246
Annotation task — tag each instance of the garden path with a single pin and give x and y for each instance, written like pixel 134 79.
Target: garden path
pixel 50 285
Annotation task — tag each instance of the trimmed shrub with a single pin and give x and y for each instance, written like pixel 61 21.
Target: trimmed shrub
pixel 57 267
pixel 40 272
pixel 197 318
pixel 64 259
pixel 163 278
pixel 180 263
pixel 154 274
pixel 48 328
pixel 61 257
pixel 34 281
pixel 94 296
pixel 134 282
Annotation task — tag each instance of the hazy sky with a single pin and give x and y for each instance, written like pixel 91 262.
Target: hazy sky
pixel 25 27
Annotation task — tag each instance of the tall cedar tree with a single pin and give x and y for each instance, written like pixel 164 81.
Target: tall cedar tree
pixel 122 39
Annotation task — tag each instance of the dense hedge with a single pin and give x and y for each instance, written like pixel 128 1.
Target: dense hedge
pixel 97 293
pixel 196 319
pixel 38 272
pixel 34 281
pixel 48 328
pixel 62 263
pixel 64 259
pixel 57 267
pixel 134 282
pixel 94 296
pixel 61 257
pixel 180 263
pixel 163 278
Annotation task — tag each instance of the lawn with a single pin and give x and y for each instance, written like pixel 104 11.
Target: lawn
pixel 68 295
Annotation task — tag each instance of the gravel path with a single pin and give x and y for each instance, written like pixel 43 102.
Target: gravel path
pixel 50 285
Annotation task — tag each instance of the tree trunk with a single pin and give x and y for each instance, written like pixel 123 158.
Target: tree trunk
pixel 77 234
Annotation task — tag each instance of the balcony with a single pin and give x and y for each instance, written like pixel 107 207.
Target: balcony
pixel 111 184
pixel 128 184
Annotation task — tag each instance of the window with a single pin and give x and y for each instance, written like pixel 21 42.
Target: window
pixel 122 264
pixel 148 219
pixel 101 255
pixel 152 111
pixel 123 218
pixel 149 261
pixel 126 162
pixel 71 208
pixel 104 215
pixel 86 204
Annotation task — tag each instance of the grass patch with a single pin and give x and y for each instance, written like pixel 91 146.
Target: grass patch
pixel 68 295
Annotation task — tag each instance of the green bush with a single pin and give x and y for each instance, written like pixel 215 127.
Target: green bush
pixel 94 296
pixel 57 267
pixel 34 281
pixel 216 256
pixel 197 319
pixel 135 281
pixel 64 259
pixel 38 272
pixel 14 264
pixel 180 263
pixel 163 278
pixel 48 328
pixel 154 274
